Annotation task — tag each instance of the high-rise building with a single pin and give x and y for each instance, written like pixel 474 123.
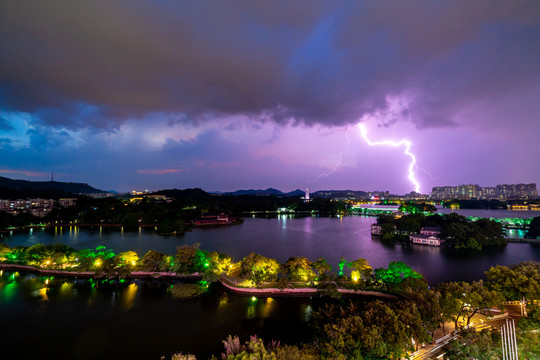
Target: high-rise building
pixel 503 192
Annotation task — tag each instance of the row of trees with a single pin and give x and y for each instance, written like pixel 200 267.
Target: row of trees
pixel 168 216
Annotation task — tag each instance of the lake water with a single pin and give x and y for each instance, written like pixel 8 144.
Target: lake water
pixel 138 320
pixel 285 236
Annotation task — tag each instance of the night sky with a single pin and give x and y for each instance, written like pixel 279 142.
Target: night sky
pixel 226 95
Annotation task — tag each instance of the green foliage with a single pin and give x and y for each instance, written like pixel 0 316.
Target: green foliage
pixel 532 320
pixel 534 228
pixel 259 269
pixel 516 282
pixel 321 267
pixel 410 223
pixel 413 208
pixel 155 261
pixel 376 330
pixel 463 299
pixel 299 269
pixel 462 234
pixel 189 259
pixel 482 345
pixel 342 263
pixel 362 267
pixel 397 272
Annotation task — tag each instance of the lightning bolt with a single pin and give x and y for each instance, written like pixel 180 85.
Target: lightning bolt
pixel 412 166
pixel 328 173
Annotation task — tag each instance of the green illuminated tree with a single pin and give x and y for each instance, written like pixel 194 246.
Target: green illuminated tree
pixel 534 228
pixel 342 263
pixel 397 271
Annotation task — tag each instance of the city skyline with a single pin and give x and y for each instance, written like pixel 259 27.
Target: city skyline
pixel 224 97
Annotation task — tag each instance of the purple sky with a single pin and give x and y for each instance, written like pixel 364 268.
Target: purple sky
pixel 221 95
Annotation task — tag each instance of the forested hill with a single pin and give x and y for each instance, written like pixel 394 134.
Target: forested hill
pixel 65 187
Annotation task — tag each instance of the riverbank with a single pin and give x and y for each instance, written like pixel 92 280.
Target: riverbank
pixel 299 292
pixel 97 274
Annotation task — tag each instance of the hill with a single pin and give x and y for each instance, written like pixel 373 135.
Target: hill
pixel 55 186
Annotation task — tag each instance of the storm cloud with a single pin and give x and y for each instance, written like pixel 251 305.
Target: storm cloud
pixel 78 64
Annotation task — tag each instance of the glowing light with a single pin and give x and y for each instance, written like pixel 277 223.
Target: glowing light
pixel 253 298
pixel 98 263
pixel 355 279
pixel 412 166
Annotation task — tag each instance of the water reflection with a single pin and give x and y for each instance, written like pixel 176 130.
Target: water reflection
pixel 127 298
pixel 8 292
pixel 268 307
pixel 307 312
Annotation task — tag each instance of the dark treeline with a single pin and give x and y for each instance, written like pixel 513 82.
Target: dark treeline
pixel 477 204
pixel 169 216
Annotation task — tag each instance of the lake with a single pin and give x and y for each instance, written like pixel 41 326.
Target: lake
pixel 286 236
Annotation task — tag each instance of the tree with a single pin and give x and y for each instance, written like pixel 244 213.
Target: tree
pixel 154 261
pixel 321 267
pixel 388 231
pixel 299 269
pixel 518 282
pixel 483 345
pixel 410 223
pixel 397 271
pixel 534 228
pixel 128 258
pixel 187 259
pixel 375 330
pixel 468 298
pixel 259 269
pixel 361 269
pixel 428 303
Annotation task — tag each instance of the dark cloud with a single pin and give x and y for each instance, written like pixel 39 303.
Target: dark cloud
pixel 5 124
pixel 95 64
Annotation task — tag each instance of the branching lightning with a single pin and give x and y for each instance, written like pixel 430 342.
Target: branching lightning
pixel 330 172
pixel 413 168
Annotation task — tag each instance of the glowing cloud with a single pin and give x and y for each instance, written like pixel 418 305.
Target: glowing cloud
pixel 160 171
pixel 412 166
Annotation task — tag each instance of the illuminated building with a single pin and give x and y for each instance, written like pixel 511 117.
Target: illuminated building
pixel 306 198
pixel 503 192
